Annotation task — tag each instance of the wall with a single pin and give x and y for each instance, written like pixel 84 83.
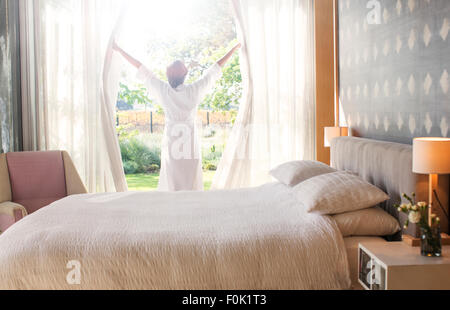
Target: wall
pixel 325 66
pixel 394 76
pixel 10 124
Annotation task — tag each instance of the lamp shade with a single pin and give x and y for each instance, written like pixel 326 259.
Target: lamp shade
pixel 431 156
pixel 334 132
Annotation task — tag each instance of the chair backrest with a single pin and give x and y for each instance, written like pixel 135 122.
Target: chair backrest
pixel 37 178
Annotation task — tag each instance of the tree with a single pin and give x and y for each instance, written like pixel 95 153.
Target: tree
pixel 139 95
pixel 228 90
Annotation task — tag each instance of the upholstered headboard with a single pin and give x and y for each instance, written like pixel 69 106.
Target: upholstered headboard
pixel 384 164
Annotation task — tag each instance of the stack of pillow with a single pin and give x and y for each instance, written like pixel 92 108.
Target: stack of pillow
pixel 351 201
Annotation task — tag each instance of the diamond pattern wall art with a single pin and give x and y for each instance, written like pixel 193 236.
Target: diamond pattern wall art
pixel 394 73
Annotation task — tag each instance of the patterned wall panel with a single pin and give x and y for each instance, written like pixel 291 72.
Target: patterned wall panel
pixel 394 67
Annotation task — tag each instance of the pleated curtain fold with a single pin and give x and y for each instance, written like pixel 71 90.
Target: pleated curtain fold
pixel 276 119
pixel 70 84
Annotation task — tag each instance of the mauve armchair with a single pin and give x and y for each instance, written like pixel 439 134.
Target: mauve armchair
pixel 30 181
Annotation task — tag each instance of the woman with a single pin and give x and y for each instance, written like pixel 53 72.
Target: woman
pixel 181 164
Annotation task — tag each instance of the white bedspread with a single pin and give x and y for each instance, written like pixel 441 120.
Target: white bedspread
pixel 257 238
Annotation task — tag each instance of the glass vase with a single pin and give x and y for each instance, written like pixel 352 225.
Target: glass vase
pixel 431 245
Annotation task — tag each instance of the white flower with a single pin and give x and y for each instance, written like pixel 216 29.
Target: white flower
pixel 414 217
pixel 422 204
pixel 409 206
pixel 415 208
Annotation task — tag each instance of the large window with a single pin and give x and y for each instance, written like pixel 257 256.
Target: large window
pixel 199 32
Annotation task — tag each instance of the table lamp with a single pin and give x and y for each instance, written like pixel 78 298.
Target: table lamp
pixel 334 132
pixel 431 156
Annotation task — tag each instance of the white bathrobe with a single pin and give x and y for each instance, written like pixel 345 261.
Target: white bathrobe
pixel 181 160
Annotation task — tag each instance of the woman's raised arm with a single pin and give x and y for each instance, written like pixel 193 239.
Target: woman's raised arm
pixel 227 57
pixel 133 61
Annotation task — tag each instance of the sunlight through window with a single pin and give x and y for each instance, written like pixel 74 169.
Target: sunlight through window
pixel 198 32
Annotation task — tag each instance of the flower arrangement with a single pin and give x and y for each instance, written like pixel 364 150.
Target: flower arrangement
pixel 419 214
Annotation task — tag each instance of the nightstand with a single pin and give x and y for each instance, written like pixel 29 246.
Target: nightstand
pixel 397 266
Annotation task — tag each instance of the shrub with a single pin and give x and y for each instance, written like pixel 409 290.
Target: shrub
pixel 212 157
pixel 210 167
pixel 124 152
pixel 125 133
pixel 209 132
pixel 143 157
pixel 153 168
pixel 130 167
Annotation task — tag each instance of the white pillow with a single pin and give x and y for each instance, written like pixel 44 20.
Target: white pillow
pixel 367 222
pixel 338 192
pixel 295 172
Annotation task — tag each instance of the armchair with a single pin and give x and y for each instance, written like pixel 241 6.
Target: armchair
pixel 30 181
pixel 8 214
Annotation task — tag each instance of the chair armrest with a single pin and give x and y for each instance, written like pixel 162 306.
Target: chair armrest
pixel 9 208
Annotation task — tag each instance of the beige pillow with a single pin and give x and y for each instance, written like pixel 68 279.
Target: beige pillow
pixel 367 222
pixel 295 172
pixel 338 192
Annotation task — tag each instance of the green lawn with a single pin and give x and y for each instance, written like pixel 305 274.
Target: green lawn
pixel 149 182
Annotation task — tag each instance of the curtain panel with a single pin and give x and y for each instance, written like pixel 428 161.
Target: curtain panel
pixel 276 119
pixel 10 111
pixel 68 101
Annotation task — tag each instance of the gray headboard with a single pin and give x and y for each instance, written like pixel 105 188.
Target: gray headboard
pixel 384 164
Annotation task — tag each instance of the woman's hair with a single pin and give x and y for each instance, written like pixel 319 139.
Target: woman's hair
pixel 176 73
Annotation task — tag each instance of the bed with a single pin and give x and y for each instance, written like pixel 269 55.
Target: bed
pixel 386 165
pixel 241 239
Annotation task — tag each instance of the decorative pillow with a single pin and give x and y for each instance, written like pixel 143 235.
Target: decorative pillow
pixel 338 192
pixel 295 172
pixel 367 222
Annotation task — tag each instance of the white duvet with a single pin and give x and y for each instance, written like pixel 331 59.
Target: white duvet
pixel 257 238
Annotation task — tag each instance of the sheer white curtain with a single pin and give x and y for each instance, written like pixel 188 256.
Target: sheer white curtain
pixel 69 87
pixel 276 120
